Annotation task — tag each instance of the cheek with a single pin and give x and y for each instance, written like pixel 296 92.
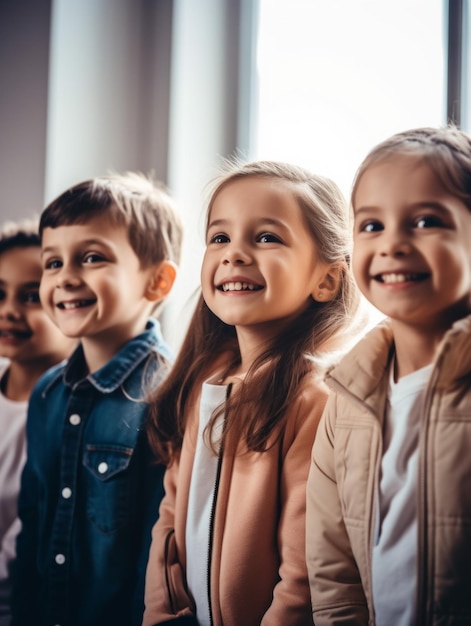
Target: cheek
pixel 357 265
pixel 42 324
pixel 205 289
pixel 206 274
pixel 44 291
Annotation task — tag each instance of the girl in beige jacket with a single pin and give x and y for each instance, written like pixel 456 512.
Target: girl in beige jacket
pixel 388 499
pixel 237 416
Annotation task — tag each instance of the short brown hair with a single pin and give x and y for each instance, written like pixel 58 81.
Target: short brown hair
pixel 132 199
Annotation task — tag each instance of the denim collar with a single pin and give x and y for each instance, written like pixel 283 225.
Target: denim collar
pixel 108 378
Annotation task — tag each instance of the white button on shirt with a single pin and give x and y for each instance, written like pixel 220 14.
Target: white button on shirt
pixel 66 492
pixel 60 559
pixel 75 419
pixel 103 467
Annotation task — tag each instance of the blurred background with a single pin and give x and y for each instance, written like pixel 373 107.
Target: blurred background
pixel 174 86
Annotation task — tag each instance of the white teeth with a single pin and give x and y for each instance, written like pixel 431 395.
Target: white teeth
pixel 396 278
pixel 71 305
pixel 238 286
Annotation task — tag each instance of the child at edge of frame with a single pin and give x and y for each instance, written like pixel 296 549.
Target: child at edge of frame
pixel 90 491
pixel 237 416
pixel 30 343
pixel 388 499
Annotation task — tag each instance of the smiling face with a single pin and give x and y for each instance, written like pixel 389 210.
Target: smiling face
pixel 261 265
pixel 412 253
pixel 27 335
pixel 93 285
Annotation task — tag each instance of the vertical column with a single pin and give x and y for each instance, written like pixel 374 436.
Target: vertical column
pixel 205 125
pixel 454 61
pixel 24 60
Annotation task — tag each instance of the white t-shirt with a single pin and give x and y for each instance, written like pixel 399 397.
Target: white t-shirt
pixel 203 479
pixel 12 458
pixel 394 564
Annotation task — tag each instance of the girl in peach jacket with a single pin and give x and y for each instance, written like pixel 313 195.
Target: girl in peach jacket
pixel 237 416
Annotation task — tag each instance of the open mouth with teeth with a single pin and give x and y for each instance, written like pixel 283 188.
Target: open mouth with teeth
pixel 239 286
pixel 15 334
pixel 75 304
pixel 391 278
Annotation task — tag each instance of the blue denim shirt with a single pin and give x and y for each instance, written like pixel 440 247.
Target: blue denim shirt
pixel 90 492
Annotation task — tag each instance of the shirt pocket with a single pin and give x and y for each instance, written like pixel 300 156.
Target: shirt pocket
pixel 108 485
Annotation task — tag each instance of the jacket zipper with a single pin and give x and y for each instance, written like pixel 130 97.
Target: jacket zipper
pixel 213 514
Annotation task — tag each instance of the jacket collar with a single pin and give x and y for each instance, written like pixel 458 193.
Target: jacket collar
pixel 454 354
pixel 365 367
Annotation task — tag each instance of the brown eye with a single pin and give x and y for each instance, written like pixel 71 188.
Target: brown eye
pixel 53 264
pixel 31 297
pixel 219 239
pixel 371 227
pixel 93 257
pixel 429 221
pixel 268 238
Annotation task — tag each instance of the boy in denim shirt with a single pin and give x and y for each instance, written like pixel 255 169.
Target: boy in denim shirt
pixel 90 492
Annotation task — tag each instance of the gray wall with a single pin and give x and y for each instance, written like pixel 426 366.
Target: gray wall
pixel 150 85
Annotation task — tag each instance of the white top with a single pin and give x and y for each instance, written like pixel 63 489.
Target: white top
pixel 12 458
pixel 395 551
pixel 200 502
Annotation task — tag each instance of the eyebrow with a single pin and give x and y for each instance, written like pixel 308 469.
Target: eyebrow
pixel 86 242
pixel 269 221
pixel 416 205
pixel 28 285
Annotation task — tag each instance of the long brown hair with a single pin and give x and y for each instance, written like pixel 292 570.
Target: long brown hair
pixel 272 382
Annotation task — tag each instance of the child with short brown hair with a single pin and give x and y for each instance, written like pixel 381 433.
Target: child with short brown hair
pixel 90 491
pixel 30 343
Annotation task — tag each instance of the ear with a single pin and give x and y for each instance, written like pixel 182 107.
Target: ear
pixel 161 281
pixel 329 284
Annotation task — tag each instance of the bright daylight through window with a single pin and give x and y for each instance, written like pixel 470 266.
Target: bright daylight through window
pixel 334 78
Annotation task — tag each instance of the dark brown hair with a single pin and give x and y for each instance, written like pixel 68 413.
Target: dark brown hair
pixel 273 380
pixel 21 234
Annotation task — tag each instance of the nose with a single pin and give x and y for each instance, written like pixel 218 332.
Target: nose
pixel 395 243
pixel 68 277
pixel 236 254
pixel 9 309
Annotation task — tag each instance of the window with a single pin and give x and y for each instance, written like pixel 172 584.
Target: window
pixel 335 78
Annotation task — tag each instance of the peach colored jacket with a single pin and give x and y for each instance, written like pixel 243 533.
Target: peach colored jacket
pixel 258 567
